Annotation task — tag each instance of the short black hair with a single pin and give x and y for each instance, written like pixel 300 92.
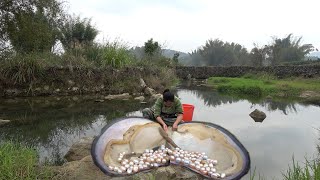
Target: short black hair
pixel 168 95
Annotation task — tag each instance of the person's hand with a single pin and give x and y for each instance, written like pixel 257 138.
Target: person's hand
pixel 165 127
pixel 174 127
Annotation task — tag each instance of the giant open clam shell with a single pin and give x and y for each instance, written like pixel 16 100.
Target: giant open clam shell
pixel 135 134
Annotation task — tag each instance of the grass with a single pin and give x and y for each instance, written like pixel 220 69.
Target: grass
pixel 263 85
pixel 20 162
pixel 310 171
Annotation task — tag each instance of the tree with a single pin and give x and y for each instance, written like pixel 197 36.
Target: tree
pixel 152 48
pixel 77 32
pixel 287 49
pixel 219 53
pixel 30 25
pixel 175 57
pixel 259 55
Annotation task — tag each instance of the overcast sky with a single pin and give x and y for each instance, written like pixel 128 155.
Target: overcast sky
pixel 184 25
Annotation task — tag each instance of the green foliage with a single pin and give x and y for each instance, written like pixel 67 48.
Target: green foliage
pixel 19 162
pixel 311 171
pixel 282 50
pixel 22 68
pixel 152 48
pixel 263 85
pixel 175 57
pixel 114 54
pixel 31 25
pixel 77 32
pixel 219 53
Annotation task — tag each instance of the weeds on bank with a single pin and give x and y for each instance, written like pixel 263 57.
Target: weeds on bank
pixel 20 162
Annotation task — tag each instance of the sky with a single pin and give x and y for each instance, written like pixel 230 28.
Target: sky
pixel 185 25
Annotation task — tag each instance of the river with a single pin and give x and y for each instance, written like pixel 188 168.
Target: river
pixel 53 124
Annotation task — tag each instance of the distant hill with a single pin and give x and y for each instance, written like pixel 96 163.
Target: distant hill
pixel 184 58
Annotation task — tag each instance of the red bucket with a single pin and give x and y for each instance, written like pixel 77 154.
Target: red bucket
pixel 187 112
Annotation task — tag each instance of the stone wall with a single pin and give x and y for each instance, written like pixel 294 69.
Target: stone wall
pixel 236 71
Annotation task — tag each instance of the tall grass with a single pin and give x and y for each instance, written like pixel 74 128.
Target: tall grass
pixel 19 162
pixel 310 171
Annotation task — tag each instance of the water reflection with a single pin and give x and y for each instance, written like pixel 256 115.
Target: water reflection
pixel 214 99
pixel 53 125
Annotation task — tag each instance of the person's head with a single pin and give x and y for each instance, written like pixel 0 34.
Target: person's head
pixel 168 97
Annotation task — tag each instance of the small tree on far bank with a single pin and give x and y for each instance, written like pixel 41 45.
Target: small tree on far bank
pixel 152 48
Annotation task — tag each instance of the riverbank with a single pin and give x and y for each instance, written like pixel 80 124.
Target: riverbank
pixel 268 86
pixel 20 162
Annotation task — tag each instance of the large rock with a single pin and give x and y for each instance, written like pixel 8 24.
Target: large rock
pixel 80 149
pixel 118 96
pixel 139 98
pixel 86 169
pixel 3 122
pixel 257 115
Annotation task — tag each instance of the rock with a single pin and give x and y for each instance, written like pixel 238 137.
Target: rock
pixel 140 98
pixel 74 98
pixel 80 149
pixel 149 91
pixel 3 122
pixel 189 76
pixel 57 90
pixel 142 83
pixel 269 97
pixel 12 92
pixel 155 97
pixel 118 96
pixel 257 115
pixel 309 94
pixel 99 100
pixel 46 88
pixel 75 89
pixel 70 83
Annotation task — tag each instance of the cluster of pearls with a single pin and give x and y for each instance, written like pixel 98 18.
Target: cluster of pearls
pixel 149 159
pixel 198 162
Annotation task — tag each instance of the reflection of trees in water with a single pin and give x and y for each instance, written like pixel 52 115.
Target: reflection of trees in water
pixel 285 107
pixel 213 98
pixel 52 126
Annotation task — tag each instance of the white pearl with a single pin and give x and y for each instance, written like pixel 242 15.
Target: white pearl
pixel 119 159
pixel 172 158
pixel 135 161
pixel 111 168
pixel 208 168
pixel 152 160
pixel 129 171
pixel 215 162
pixel 119 171
pixel 131 163
pixel 135 168
pixel 127 166
pixel 145 166
pixel 147 151
pixel 192 165
pixel 215 175
pixel 186 162
pixel 213 170
pixel 223 175
pixel 141 167
pixel 123 168
pixel 178 160
pixel 158 160
pixel 205 165
pixel 211 165
pixel 163 161
pixel 197 167
pixel 123 163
